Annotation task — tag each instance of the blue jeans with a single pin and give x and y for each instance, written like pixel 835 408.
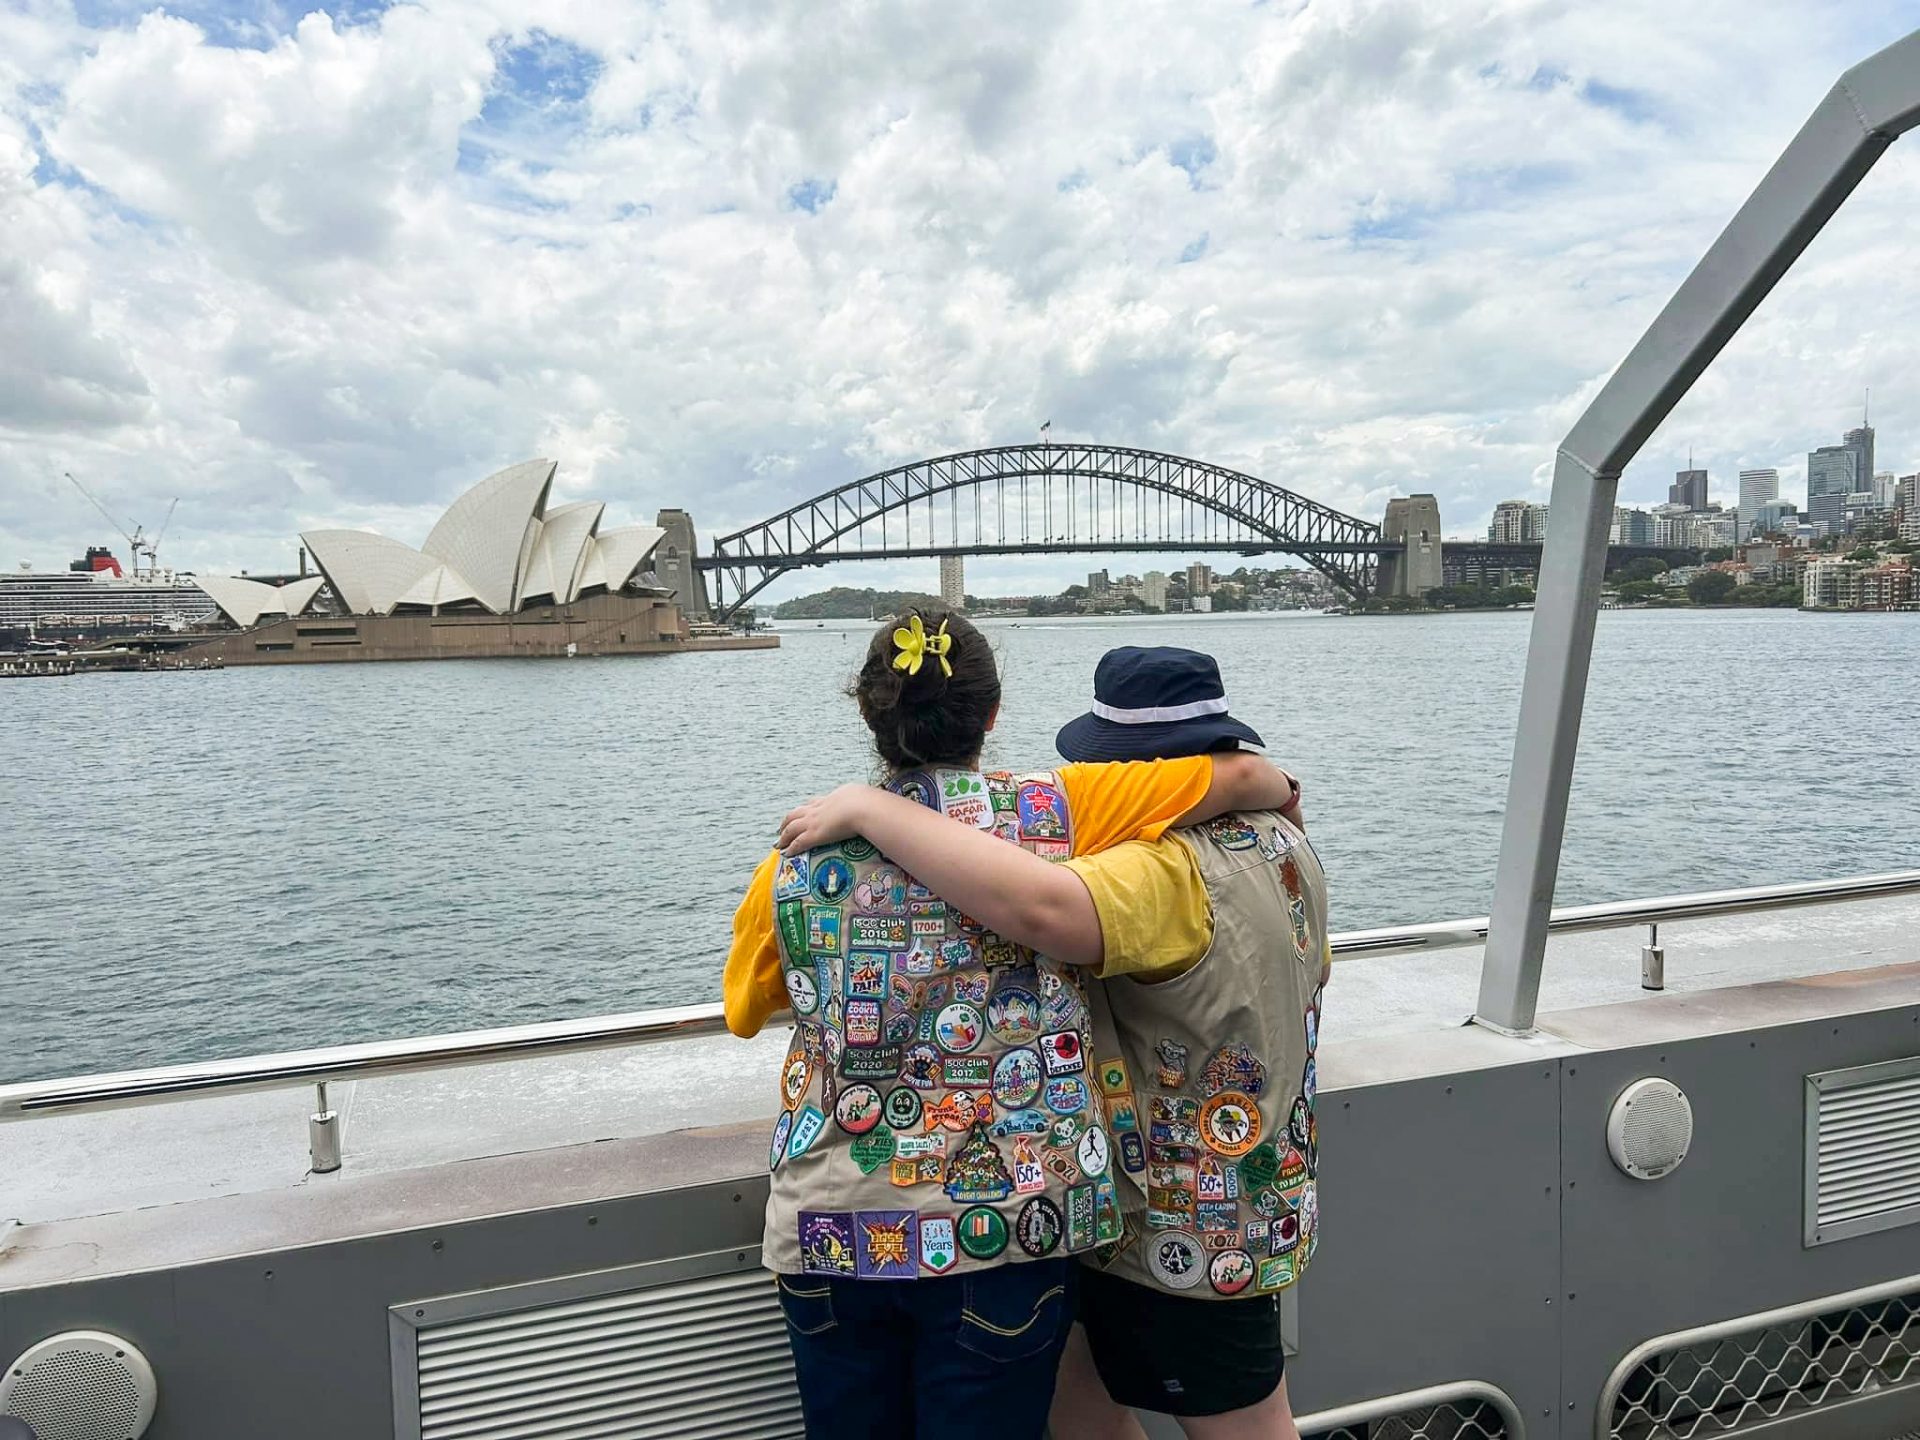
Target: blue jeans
pixel 950 1358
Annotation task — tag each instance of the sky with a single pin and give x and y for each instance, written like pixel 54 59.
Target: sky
pixel 320 268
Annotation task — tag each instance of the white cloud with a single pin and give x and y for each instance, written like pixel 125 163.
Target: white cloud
pixel 329 271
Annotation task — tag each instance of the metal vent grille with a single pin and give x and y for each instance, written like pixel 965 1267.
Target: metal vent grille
pixel 698 1358
pixel 1463 1410
pixel 1740 1375
pixel 1863 1150
pixel 80 1385
pixel 1461 1420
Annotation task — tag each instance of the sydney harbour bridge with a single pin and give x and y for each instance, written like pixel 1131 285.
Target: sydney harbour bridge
pixel 1073 498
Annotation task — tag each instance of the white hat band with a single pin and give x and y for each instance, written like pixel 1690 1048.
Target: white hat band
pixel 1156 714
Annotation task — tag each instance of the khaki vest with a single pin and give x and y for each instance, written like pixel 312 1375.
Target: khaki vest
pixel 1208 1080
pixel 937 1107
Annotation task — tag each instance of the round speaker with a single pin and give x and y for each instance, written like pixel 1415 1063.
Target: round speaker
pixel 1649 1129
pixel 81 1385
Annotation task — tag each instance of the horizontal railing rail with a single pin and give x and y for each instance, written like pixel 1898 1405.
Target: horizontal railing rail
pixel 377 1058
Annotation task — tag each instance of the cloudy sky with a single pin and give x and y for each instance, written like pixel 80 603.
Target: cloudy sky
pixel 326 268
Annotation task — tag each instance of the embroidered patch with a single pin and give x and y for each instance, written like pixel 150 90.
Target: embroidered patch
pixel 1021 1122
pixel 902 1108
pixel 1013 1015
pixel 858 848
pixel 983 1234
pixel 873 1062
pixel 958 1111
pixel 1177 1260
pixel 887 1244
pixel 1109 1225
pixel 872 1150
pixel 823 929
pixel 1310 1080
pixel 1028 1176
pixel 826 1242
pixel 958 1028
pixel 1063 1053
pixel 803 991
pixel 921 1066
pixel 862 1022
pixel 1173 1064
pixel 1065 1096
pixel 1230 1272
pixel 971 1072
pixel 795 1076
pixel 782 1132
pixel 1230 1123
pixel 1233 1067
pixel 1082 1233
pixel 791 918
pixel 939 1247
pixel 857 1110
pixel 878 932
pixel 978 1171
pixel 1112 1078
pixel 1121 1114
pixel 1231 834
pixel 832 879
pixel 1039 1227
pixel 807 1125
pixel 1091 1154
pixel 1133 1152
pixel 1016 1078
pixel 1276 1273
pixel 867 974
pixel 790 877
pixel 918 786
pixel 963 797
pixel 1041 811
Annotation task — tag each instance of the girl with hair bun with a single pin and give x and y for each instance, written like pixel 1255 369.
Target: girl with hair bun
pixel 938 1115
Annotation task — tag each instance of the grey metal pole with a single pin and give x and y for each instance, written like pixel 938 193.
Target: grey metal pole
pixel 1871 104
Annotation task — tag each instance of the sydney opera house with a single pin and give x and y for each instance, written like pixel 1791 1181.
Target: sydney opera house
pixel 502 573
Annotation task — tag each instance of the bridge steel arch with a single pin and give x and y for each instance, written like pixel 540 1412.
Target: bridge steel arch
pixel 1261 517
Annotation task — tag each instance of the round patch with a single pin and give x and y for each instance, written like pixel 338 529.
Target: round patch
pixel 1092 1153
pixel 804 991
pixel 958 1028
pixel 1013 1015
pixel 782 1129
pixel 832 879
pixel 1231 1271
pixel 902 1108
pixel 983 1234
pixel 1039 1226
pixel 1299 1119
pixel 1176 1259
pixel 1016 1078
pixel 920 1067
pixel 1230 1123
pixel 858 848
pixel 795 1078
pixel 1065 1095
pixel 857 1110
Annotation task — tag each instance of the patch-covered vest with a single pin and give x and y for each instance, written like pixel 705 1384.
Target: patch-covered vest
pixel 1208 1080
pixel 937 1109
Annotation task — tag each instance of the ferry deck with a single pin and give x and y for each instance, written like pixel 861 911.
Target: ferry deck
pixel 1630 1171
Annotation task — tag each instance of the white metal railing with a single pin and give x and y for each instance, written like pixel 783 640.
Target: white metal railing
pixel 375 1058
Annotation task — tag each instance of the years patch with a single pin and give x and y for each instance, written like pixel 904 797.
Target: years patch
pixel 939 1246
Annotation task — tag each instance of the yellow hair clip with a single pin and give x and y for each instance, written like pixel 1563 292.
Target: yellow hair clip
pixel 915 645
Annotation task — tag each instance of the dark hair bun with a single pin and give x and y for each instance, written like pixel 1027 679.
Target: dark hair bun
pixel 928 717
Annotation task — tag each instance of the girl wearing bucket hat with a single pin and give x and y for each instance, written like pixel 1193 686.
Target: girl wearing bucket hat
pixel 937 1120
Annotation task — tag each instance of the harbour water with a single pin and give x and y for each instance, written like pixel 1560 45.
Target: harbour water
pixel 233 861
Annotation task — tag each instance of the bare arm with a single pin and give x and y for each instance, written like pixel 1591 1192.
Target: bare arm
pixel 1044 907
pixel 1243 780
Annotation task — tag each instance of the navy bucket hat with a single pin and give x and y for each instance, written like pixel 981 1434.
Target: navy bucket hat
pixel 1154 703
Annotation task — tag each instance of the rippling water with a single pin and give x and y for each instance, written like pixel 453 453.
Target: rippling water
pixel 252 859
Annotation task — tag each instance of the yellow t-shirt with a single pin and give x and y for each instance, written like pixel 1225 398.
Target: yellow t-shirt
pixel 1156 921
pixel 1110 804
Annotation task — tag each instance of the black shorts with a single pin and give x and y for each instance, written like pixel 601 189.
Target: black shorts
pixel 1179 1356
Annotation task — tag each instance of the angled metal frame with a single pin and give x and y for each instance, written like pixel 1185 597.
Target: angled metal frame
pixel 1867 109
pixel 1340 546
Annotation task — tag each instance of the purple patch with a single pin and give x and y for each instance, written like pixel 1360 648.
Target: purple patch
pixel 888 1244
pixel 826 1242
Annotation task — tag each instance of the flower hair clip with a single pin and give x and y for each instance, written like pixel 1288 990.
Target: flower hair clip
pixel 916 644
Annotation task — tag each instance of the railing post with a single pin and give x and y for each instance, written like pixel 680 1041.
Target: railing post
pixel 1653 962
pixel 323 1134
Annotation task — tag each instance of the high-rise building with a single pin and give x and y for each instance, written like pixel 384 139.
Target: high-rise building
pixel 1199 580
pixel 1886 490
pixel 1517 522
pixel 1860 442
pixel 1632 527
pixel 1689 488
pixel 1098 583
pixel 1757 487
pixel 953 581
pixel 1153 590
pixel 1906 500
pixel 1830 471
pixel 1771 517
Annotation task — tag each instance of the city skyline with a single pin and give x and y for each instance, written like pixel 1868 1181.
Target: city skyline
pixel 725 262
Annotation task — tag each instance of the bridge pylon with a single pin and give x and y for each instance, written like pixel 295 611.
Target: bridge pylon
pixel 1412 525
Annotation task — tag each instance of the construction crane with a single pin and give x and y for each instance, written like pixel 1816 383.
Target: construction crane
pixel 137 541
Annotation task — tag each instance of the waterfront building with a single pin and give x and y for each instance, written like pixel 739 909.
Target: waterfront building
pixel 953 581
pixel 1831 582
pixel 1153 590
pixel 1689 488
pixel 1199 581
pixel 1098 584
pixel 1757 488
pixel 1906 503
pixel 1886 586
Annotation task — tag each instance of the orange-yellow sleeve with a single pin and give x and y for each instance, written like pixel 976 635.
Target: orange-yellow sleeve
pixel 753 987
pixel 1131 800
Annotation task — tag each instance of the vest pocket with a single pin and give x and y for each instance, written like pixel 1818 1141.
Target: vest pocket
pixel 808 1305
pixel 1015 1311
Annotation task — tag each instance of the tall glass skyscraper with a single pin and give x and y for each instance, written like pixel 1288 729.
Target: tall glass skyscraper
pixel 1832 470
pixel 1689 488
pixel 1860 442
pixel 1757 487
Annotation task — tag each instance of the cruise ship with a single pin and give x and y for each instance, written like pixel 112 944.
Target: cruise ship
pixel 93 598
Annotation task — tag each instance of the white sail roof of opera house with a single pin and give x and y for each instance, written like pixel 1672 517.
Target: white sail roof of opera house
pixel 498 546
pixel 245 601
